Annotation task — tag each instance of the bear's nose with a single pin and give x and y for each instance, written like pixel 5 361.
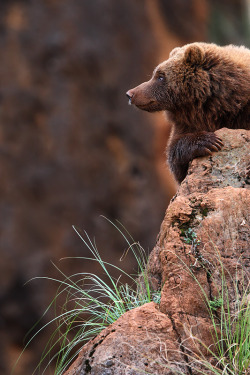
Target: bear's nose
pixel 130 96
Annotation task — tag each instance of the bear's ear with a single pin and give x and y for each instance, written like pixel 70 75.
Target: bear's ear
pixel 194 55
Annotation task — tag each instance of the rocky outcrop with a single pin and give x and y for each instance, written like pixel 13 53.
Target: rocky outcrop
pixel 205 233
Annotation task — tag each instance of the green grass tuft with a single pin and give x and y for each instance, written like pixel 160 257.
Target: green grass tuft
pixel 91 304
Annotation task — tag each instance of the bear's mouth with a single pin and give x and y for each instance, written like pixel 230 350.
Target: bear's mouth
pixel 151 106
pixel 146 105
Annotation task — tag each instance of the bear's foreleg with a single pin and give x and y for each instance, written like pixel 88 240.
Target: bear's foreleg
pixel 183 148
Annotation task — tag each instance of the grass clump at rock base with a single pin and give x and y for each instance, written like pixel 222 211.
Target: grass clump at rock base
pixel 91 304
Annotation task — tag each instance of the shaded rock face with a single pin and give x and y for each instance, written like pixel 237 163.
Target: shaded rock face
pixel 206 226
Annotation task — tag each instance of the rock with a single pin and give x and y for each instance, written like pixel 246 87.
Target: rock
pixel 114 351
pixel 206 226
pixel 212 203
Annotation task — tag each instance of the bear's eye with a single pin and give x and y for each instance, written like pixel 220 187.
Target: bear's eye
pixel 160 77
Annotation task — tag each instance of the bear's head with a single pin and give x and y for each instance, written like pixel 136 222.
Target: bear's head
pixel 175 83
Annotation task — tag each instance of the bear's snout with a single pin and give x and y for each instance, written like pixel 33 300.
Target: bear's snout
pixel 141 97
pixel 129 94
pixel 136 95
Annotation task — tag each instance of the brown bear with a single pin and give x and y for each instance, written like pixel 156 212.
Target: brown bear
pixel 202 87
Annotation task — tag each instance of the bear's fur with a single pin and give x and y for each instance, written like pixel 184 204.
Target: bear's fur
pixel 202 87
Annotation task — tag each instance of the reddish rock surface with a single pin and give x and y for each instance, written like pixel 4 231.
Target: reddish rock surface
pixel 138 342
pixel 212 203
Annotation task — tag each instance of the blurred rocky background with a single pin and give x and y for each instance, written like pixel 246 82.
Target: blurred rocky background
pixel 72 150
